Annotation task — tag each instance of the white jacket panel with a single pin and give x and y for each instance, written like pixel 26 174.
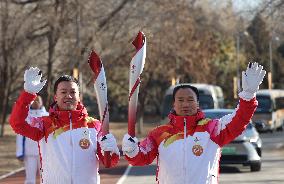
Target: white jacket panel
pixel 67 157
pixel 182 169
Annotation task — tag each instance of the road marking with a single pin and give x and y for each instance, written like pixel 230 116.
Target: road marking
pixel 123 177
pixel 11 173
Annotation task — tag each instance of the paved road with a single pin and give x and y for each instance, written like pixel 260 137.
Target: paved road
pixel 272 169
pixel 139 175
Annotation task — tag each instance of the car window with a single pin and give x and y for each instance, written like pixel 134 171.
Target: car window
pixel 264 104
pixel 206 102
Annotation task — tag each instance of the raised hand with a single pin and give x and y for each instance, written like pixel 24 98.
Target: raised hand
pixel 32 78
pixel 251 79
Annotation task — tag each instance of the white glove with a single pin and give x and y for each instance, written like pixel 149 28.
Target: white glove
pixel 108 143
pixel 251 79
pixel 32 80
pixel 130 146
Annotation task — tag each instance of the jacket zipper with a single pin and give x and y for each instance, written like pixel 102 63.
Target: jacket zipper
pixel 71 141
pixel 184 148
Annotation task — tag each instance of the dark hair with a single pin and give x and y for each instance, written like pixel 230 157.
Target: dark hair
pixel 183 86
pixel 67 78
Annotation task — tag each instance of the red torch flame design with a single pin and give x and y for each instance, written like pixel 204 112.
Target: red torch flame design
pixel 95 64
pixel 101 95
pixel 136 68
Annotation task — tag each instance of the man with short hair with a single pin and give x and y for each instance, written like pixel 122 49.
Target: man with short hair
pixel 70 143
pixel 188 148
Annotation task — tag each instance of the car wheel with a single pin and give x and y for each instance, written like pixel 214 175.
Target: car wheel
pixel 255 166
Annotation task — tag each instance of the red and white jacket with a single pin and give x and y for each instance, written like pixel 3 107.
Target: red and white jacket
pixel 191 155
pixel 68 142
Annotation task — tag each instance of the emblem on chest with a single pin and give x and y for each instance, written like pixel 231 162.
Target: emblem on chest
pixel 84 143
pixel 197 149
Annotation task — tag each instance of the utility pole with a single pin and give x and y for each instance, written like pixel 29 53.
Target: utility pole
pixel 238 63
pixel 270 74
pixel 78 49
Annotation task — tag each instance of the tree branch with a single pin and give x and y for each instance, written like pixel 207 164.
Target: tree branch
pixel 113 13
pixel 22 2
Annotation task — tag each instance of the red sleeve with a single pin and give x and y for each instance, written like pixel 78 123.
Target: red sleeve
pixel 19 115
pixel 148 151
pixel 114 157
pixel 230 126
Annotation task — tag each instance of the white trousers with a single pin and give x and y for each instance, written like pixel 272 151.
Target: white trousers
pixel 32 165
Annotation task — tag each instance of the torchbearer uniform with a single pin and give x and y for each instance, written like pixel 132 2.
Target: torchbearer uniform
pixel 68 142
pixel 194 158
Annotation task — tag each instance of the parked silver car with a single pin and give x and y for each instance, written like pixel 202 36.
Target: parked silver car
pixel 245 149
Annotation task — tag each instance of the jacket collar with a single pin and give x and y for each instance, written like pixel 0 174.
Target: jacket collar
pixel 191 121
pixel 76 115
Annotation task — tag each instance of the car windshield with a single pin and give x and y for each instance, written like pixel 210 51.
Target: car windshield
pixel 206 102
pixel 264 104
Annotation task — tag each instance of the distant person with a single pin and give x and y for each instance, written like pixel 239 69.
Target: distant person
pixel 27 149
pixel 188 148
pixel 70 142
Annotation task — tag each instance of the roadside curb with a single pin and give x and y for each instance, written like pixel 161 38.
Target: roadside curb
pixel 11 173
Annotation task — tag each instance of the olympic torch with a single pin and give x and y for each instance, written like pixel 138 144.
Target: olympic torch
pixel 101 95
pixel 136 68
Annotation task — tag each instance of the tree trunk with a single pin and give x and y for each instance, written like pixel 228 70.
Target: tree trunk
pixel 51 46
pixel 5 110
pixel 4 75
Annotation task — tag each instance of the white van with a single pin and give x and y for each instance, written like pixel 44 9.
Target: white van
pixel 210 97
pixel 269 115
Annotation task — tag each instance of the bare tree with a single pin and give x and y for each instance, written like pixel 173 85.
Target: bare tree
pixel 13 58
